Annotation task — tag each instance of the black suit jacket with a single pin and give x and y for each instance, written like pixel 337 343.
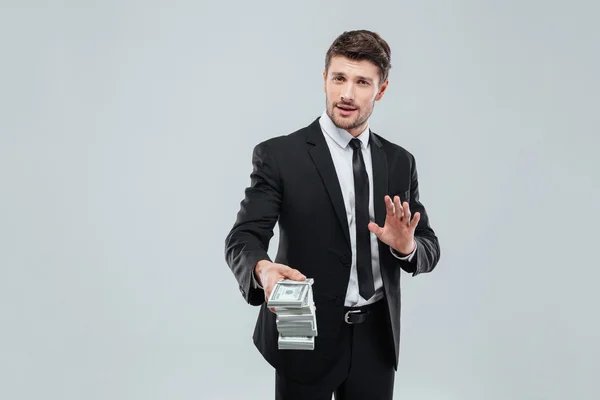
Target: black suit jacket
pixel 294 183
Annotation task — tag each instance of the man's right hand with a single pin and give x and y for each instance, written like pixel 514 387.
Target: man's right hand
pixel 269 273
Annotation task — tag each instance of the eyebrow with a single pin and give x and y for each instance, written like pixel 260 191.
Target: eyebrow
pixel 358 77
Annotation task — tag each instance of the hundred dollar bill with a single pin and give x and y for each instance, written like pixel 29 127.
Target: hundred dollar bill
pixel 306 308
pixel 297 328
pixel 288 293
pixel 297 332
pixel 294 321
pixel 295 324
pixel 296 343
pixel 284 315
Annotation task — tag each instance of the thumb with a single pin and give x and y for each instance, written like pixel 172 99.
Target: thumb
pixel 294 274
pixel 376 229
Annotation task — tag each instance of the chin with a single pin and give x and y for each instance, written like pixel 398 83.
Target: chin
pixel 342 122
pixel 346 122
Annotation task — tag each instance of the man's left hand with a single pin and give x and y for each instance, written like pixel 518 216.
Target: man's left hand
pixel 398 231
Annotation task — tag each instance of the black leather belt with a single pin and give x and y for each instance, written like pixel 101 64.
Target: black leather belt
pixel 356 316
pixel 359 315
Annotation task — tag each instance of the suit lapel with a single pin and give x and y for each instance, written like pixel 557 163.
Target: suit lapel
pixel 380 178
pixel 319 151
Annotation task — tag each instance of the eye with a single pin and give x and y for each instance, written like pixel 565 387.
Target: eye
pixel 363 82
pixel 338 78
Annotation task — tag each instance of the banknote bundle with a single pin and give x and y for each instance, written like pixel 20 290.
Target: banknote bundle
pixel 295 312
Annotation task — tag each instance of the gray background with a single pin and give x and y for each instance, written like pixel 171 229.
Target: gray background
pixel 126 130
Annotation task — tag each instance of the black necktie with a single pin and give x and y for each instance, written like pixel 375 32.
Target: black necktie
pixel 366 286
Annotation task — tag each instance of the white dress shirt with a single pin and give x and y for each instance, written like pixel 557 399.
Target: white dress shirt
pixel 338 141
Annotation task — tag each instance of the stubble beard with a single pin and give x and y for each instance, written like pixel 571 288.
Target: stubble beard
pixel 347 123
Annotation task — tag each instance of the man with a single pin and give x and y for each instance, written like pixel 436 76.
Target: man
pixel 347 203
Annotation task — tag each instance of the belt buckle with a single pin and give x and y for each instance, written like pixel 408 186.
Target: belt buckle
pixel 348 314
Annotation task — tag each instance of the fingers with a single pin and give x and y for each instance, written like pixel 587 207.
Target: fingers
pixel 401 211
pixel 389 206
pixel 406 212
pixel 398 208
pixel 415 220
pixel 268 289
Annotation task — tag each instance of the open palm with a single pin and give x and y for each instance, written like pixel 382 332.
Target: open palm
pixel 398 230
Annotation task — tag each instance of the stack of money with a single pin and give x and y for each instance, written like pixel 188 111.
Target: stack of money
pixel 296 319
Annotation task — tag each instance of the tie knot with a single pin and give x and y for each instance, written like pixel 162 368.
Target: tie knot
pixel 355 143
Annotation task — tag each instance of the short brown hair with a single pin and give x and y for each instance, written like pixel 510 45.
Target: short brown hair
pixel 362 45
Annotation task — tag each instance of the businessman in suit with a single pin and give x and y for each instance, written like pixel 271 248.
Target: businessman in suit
pixel 350 217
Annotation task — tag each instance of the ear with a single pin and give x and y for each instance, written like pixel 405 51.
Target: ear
pixel 325 80
pixel 382 90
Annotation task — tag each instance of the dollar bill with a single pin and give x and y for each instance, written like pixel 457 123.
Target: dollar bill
pixel 290 294
pixel 297 325
pixel 304 331
pixel 296 343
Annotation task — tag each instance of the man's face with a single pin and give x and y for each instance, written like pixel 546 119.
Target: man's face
pixel 352 87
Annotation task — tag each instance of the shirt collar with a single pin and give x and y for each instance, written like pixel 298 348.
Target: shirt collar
pixel 341 136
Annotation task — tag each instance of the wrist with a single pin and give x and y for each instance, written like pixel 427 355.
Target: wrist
pixel 405 250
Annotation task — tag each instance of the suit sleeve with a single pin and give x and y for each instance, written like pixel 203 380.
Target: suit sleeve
pixel 248 240
pixel 408 257
pixel 427 252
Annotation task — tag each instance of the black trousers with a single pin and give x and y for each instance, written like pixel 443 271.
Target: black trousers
pixel 364 370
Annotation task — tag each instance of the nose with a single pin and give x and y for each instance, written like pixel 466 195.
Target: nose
pixel 347 93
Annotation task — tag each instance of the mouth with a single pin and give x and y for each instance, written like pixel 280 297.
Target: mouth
pixel 345 110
